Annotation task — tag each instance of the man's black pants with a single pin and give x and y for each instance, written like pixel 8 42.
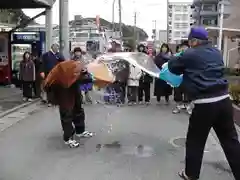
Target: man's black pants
pixel 75 117
pixel 219 116
pixel 144 89
pixel 122 91
pixel 132 94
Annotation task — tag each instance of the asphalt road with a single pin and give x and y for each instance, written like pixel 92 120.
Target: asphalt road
pixel 131 143
pixel 10 98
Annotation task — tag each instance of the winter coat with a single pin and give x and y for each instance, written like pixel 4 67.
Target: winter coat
pixel 161 88
pixel 123 73
pixel 27 71
pixel 50 60
pixel 134 76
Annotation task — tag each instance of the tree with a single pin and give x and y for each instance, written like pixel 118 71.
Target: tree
pixel 13 16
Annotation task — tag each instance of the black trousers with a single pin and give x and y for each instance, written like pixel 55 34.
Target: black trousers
pixel 75 117
pixel 37 88
pixel 144 89
pixel 121 90
pixel 27 89
pixel 132 93
pixel 219 116
pixel 166 98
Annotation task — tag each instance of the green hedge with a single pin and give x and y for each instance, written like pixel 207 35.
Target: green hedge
pixel 234 90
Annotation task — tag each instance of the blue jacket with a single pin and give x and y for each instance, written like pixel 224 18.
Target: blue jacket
pixel 203 72
pixel 50 60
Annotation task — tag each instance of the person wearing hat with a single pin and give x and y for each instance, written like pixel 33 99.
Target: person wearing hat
pixel 86 88
pixel 180 97
pixel 77 54
pixel 202 67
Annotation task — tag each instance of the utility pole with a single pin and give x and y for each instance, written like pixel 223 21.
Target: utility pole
pixel 155 29
pixel 220 25
pixel 135 38
pixel 64 28
pixel 113 15
pixel 120 19
pixel 49 29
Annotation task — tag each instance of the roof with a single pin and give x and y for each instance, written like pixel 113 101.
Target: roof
pixel 21 4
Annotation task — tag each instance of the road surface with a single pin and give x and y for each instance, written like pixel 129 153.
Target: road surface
pixel 131 143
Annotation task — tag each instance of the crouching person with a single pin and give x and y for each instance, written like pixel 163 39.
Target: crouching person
pixel 72 114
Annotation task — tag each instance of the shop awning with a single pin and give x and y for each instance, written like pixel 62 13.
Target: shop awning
pixel 22 4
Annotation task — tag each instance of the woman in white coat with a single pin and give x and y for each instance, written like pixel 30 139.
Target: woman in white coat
pixel 133 84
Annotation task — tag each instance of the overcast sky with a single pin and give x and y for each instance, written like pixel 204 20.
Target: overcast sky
pixel 147 11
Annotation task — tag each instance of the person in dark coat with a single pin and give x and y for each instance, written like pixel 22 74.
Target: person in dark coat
pixel 161 88
pixel 180 97
pixel 38 81
pixel 86 88
pixel 122 74
pixel 144 82
pixel 204 82
pixel 27 76
pixel 49 60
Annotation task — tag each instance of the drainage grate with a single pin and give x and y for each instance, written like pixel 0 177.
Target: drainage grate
pixel 178 142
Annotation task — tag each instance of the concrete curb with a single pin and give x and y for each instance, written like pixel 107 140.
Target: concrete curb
pixel 5 113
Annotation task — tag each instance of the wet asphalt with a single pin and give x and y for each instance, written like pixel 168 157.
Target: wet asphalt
pixel 131 143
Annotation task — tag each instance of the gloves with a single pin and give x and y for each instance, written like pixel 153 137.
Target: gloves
pixel 170 78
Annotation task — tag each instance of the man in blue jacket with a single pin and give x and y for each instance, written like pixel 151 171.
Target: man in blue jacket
pixel 203 79
pixel 49 60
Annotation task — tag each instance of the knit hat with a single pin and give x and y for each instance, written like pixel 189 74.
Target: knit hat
pixel 198 33
pixel 77 49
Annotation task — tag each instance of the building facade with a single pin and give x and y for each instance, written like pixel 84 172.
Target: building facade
pixel 162 36
pixel 207 13
pixel 179 20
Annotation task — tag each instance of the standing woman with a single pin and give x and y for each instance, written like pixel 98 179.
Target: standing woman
pixel 27 76
pixel 38 82
pixel 161 88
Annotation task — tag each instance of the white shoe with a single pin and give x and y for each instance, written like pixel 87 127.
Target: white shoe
pixel 147 103
pixel 141 102
pixel 189 109
pixel 72 143
pixel 24 99
pixel 30 100
pixel 85 134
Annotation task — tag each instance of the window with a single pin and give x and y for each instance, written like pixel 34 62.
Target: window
pixel 178 8
pixel 177 34
pixel 210 21
pixel 184 34
pixel 94 35
pixel 185 8
pixel 82 35
pixel 208 7
pixel 181 25
pixel 93 46
pixel 185 17
pixel 178 17
pixel 185 25
pixel 176 25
